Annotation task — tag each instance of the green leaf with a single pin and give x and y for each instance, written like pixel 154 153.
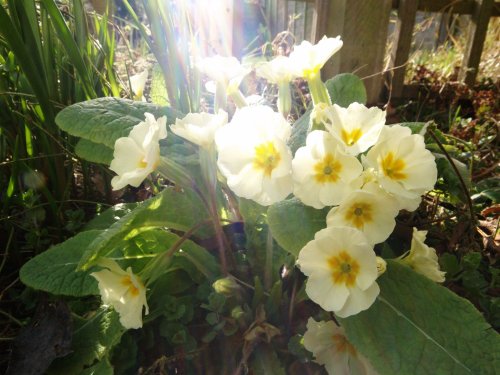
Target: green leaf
pixel 110 216
pixel 299 132
pixel 158 91
pixel 450 177
pixel 419 327
pixel 415 127
pixel 104 120
pixel 173 209
pixel 54 270
pixel 94 152
pixel 346 88
pixel 93 339
pixel 100 368
pixel 294 224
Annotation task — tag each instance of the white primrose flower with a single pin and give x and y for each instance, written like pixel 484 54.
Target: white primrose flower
pixel 342 269
pixel 124 291
pixel 137 155
pixel 357 127
pixel 369 212
pixel 402 164
pixel 422 258
pixel 308 59
pixel 199 128
pixel 253 154
pixel 138 83
pixel 277 70
pixel 331 348
pixel 323 174
pixel 226 71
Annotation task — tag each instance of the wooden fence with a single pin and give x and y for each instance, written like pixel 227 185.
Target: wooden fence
pixel 363 25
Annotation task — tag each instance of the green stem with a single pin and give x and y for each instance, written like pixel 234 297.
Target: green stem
pixel 238 98
pixel 220 101
pixel 284 98
pixel 268 268
pixel 318 90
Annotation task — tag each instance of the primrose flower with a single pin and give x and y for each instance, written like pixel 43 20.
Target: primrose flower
pixel 199 128
pixel 371 213
pixel 308 59
pixel 124 291
pixel 277 70
pixel 226 71
pixel 138 83
pixel 342 269
pixel 253 154
pixel 402 164
pixel 422 258
pixel 137 155
pixel 323 174
pixel 357 127
pixel 331 348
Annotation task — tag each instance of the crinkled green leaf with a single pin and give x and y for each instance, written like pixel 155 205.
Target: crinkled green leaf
pixel 173 209
pixel 415 127
pixel 265 361
pixel 102 367
pixel 451 179
pixel 294 224
pixel 54 270
pixel 105 219
pixel 93 339
pixel 158 91
pixel 346 88
pixel 299 132
pixel 94 152
pixel 104 120
pixel 419 327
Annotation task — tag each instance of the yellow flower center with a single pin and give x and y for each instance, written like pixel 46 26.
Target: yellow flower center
pixel 351 137
pixel 393 168
pixel 327 170
pixel 132 289
pixel 342 345
pixel 359 213
pixel 142 164
pixel 344 269
pixel 266 158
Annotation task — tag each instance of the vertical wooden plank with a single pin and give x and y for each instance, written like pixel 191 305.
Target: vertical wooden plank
pixel 403 34
pixel 320 20
pixel 363 26
pixel 475 41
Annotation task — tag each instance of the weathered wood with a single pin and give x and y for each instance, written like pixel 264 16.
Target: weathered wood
pixel 400 53
pixel 456 6
pixel 475 41
pixel 320 20
pixel 363 26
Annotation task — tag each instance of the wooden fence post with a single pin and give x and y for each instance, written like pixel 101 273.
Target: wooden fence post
pixel 363 25
pixel 403 34
pixel 475 40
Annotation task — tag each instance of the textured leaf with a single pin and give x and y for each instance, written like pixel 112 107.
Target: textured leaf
pixel 294 224
pixel 450 177
pixel 346 88
pixel 93 339
pixel 110 216
pixel 265 361
pixel 415 127
pixel 100 368
pixel 54 270
pixel 158 91
pixel 299 132
pixel 94 152
pixel 104 120
pixel 419 327
pixel 178 210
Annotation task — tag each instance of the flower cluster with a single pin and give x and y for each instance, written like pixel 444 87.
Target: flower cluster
pixel 363 170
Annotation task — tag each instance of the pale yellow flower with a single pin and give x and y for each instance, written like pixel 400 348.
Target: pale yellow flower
pixel 323 174
pixel 199 128
pixel 331 348
pixel 124 291
pixel 253 154
pixel 277 71
pixel 422 258
pixel 371 213
pixel 137 155
pixel 402 164
pixel 138 83
pixel 357 126
pixel 227 71
pixel 307 59
pixel 342 269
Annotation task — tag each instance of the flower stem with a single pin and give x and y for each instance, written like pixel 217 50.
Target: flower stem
pixel 220 97
pixel 318 90
pixel 238 98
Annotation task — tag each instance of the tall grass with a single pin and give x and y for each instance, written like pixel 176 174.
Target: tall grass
pixel 52 54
